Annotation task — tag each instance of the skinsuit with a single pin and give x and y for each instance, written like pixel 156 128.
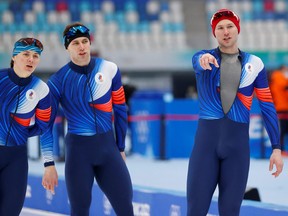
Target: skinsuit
pixel 226 81
pixel 87 95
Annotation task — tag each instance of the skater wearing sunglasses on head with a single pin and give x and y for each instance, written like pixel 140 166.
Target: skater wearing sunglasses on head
pixel 90 90
pixel 25 112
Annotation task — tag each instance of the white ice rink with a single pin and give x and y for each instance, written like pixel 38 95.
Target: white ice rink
pixel 170 175
pixel 34 212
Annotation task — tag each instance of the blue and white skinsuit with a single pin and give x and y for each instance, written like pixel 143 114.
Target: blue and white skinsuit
pixel 221 151
pixel 91 96
pixel 25 112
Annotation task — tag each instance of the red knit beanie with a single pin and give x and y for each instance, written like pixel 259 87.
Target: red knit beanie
pixel 224 14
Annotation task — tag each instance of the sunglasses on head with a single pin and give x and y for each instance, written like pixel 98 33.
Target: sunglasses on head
pixel 73 30
pixel 31 42
pixel 225 13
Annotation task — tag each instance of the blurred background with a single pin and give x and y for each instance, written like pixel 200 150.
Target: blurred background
pixel 152 42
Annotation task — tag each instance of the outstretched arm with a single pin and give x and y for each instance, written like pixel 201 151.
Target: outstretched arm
pixel 206 59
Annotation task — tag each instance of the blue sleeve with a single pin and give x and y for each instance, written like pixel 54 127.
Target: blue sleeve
pixel 42 117
pixel 120 111
pixel 195 61
pixel 267 108
pixel 46 139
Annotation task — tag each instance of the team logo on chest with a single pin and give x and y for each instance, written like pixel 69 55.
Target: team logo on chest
pixel 249 68
pixel 30 95
pixel 99 78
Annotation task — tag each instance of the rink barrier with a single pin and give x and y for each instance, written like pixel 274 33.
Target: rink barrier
pixel 146 202
pixel 165 130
